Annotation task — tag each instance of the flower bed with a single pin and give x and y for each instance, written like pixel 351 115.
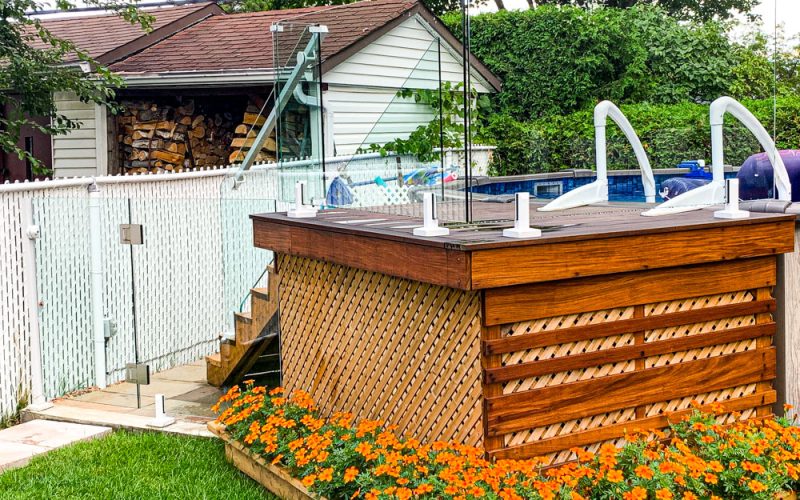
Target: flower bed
pixel 337 458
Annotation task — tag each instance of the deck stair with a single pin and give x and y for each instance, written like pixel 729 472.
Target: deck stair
pixel 255 331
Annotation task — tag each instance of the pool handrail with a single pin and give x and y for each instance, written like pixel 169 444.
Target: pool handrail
pixel 597 191
pixel 713 193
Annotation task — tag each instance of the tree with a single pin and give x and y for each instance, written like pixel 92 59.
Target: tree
pixel 34 64
pixel 438 7
pixel 701 10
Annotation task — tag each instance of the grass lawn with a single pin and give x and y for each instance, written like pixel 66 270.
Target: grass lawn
pixel 126 465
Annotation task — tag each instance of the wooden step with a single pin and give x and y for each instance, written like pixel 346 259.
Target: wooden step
pixel 215 375
pixel 237 356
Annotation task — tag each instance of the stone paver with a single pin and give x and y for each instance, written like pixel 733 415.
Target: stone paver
pixel 189 400
pixel 20 443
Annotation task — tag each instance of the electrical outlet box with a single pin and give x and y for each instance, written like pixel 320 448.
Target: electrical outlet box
pixel 109 327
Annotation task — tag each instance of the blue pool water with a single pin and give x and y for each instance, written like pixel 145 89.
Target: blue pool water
pixel 620 187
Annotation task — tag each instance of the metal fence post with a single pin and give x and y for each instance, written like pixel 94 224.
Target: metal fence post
pixel 38 400
pixel 96 254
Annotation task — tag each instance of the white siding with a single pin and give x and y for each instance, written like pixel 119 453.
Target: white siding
pixel 362 89
pixel 81 152
pixel 371 116
pixel 407 56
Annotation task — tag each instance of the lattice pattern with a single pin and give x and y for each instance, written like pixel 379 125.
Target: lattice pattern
pixel 15 305
pixel 374 195
pixel 386 348
pixel 546 326
pixel 195 269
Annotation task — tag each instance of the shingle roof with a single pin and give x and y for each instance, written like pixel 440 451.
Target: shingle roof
pixel 244 41
pixel 98 35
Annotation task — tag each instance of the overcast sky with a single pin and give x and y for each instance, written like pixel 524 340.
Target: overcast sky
pixel 788 12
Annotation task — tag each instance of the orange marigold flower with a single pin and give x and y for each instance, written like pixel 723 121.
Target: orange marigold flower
pixel 710 478
pixel 644 472
pixel 664 494
pixel 637 493
pixel 326 475
pixel 614 475
pixel 350 474
pixel 756 486
pixel 423 488
pixel 309 480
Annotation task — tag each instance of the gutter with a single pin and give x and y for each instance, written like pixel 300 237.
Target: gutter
pixel 200 78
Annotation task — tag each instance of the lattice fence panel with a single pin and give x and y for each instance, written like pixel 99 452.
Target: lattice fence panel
pixel 63 276
pixel 197 266
pixel 386 348
pixel 551 436
pixel 15 375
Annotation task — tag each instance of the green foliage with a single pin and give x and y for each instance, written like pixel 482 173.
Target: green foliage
pixel 133 466
pixel 449 131
pixel 669 133
pixel 32 70
pixel 753 76
pixel 259 5
pixel 703 10
pixel 438 7
pixel 560 60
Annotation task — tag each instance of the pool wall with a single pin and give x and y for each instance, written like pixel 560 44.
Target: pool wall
pixel 623 185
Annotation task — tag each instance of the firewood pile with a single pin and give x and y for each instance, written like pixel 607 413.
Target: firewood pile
pixel 155 136
pixel 245 135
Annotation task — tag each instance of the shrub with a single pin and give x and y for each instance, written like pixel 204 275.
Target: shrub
pixel 669 133
pixel 556 60
pixel 337 458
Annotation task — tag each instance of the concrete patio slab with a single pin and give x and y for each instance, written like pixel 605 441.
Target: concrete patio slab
pixel 13 455
pixel 20 443
pixel 169 388
pixel 116 420
pixel 188 398
pixel 184 373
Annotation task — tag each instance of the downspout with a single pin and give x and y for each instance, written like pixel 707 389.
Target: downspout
pixel 96 255
pixel 311 102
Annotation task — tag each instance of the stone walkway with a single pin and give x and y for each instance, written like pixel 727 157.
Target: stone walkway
pixel 22 442
pixel 188 398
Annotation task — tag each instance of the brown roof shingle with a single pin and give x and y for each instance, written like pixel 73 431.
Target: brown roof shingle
pixel 244 41
pixel 98 35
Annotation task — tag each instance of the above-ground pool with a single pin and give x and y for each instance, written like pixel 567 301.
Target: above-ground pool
pixel 622 186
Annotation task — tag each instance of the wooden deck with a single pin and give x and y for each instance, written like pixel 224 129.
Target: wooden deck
pixel 607 323
pixel 581 242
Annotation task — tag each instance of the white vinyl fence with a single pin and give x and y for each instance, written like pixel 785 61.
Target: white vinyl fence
pixel 195 268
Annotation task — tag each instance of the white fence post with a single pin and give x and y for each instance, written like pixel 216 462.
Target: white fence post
pixel 31 231
pixel 96 255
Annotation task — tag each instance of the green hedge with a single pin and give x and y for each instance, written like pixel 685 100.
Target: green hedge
pixel 670 134
pixel 556 60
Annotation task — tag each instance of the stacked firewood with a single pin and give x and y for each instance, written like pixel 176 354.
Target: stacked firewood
pixel 245 135
pixel 157 137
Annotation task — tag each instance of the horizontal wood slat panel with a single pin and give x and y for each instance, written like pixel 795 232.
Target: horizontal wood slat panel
pixel 554 261
pixel 594 331
pixel 600 434
pixel 617 354
pixel 428 264
pixel 541 300
pixel 529 409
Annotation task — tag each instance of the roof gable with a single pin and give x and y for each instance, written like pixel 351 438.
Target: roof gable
pixel 242 42
pixel 109 37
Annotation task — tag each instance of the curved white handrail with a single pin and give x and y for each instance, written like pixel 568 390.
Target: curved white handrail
pixel 714 192
pixel 597 191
